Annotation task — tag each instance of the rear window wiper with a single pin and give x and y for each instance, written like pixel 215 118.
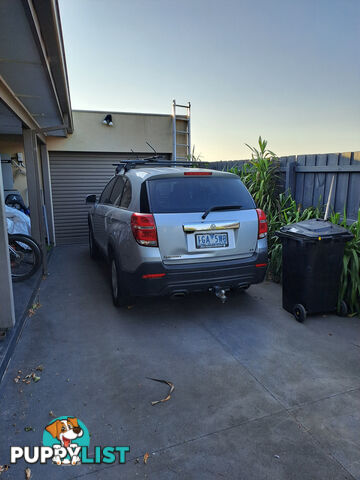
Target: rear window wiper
pixel 220 207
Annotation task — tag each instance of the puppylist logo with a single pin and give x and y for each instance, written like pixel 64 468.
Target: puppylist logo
pixel 66 441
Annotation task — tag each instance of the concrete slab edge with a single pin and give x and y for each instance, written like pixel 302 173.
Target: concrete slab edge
pixel 13 337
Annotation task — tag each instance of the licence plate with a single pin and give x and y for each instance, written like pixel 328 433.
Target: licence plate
pixel 211 240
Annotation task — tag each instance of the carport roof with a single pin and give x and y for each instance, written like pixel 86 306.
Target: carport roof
pixel 9 122
pixel 32 63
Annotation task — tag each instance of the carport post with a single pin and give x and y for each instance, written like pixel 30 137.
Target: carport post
pixel 34 194
pixel 47 192
pixel 7 313
pixel 33 184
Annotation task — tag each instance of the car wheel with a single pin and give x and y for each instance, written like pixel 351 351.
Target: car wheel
pixel 119 294
pixel 93 248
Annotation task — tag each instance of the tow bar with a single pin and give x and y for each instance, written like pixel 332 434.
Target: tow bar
pixel 220 293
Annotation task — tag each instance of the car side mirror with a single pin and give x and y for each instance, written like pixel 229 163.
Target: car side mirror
pixel 91 198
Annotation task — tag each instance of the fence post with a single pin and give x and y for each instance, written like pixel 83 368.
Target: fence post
pixel 290 178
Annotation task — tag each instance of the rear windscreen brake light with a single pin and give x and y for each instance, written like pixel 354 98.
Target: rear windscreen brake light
pixel 144 229
pixel 197 173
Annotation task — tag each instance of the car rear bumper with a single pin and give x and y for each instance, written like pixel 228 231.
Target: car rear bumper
pixel 186 278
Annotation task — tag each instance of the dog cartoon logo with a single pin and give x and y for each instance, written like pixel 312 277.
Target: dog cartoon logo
pixel 66 435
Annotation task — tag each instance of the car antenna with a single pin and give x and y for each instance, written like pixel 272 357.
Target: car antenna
pixel 154 157
pixel 152 148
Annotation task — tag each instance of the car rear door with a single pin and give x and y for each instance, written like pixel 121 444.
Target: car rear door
pixel 100 211
pixel 179 204
pixel 111 219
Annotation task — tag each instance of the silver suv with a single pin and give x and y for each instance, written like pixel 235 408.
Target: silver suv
pixel 171 230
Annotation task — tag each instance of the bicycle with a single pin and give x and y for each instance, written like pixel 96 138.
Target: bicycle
pixel 25 256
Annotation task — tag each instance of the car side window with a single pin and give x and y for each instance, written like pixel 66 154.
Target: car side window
pixel 117 191
pixel 126 196
pixel 105 196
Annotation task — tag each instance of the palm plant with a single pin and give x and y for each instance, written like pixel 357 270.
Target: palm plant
pixel 192 157
pixel 261 176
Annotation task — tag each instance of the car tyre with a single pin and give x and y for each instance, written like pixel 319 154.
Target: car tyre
pixel 120 296
pixel 93 248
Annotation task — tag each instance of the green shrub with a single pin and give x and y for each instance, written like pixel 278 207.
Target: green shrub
pixel 350 276
pixel 261 177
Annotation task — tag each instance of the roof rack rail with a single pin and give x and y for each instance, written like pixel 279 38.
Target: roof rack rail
pixel 152 162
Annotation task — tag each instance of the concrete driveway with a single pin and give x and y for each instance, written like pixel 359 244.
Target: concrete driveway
pixel 257 395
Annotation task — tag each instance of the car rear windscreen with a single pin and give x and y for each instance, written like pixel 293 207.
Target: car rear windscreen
pixel 196 194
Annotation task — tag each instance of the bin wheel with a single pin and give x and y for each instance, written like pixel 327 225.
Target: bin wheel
pixel 299 312
pixel 343 309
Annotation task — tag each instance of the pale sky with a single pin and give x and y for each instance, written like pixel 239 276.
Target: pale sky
pixel 288 70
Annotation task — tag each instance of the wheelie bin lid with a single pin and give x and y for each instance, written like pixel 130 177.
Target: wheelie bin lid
pixel 315 229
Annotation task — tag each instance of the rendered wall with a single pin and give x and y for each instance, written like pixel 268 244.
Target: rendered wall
pixel 130 132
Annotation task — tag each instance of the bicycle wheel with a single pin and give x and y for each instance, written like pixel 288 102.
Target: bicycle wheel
pixel 25 256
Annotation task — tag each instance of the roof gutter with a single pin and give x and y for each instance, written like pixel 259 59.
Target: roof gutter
pixel 48 18
pixel 64 75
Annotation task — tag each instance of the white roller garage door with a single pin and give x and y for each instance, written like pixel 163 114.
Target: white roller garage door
pixel 73 176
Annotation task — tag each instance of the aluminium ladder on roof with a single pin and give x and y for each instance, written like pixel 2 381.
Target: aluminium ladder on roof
pixel 186 132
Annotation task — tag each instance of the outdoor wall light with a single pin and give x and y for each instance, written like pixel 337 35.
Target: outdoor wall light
pixel 108 121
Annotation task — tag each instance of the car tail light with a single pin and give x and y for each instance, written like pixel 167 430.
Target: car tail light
pixel 144 229
pixel 262 223
pixel 197 173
